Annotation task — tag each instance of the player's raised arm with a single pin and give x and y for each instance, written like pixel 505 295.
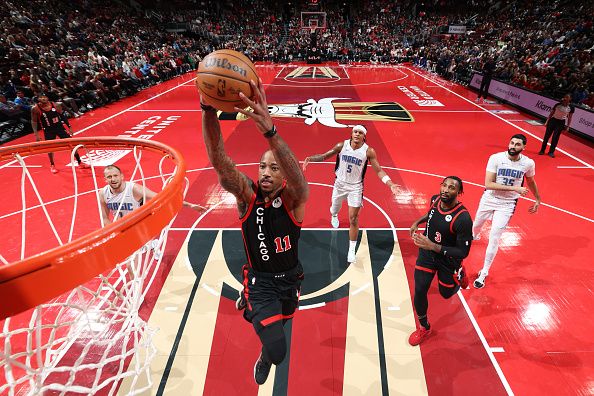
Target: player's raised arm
pixel 322 157
pixel 141 193
pixel 230 178
pixel 297 186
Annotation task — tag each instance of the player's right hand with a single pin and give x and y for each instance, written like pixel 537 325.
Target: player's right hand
pixel 305 162
pixel 522 190
pixel 413 229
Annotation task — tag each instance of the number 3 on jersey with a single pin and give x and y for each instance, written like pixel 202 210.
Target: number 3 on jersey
pixel 286 241
pixel 437 237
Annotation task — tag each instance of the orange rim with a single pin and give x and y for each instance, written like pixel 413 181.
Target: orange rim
pixel 37 279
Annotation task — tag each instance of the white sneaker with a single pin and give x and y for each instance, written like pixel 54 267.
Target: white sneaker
pixel 157 255
pixel 334 221
pixel 479 282
pixel 351 257
pixel 476 237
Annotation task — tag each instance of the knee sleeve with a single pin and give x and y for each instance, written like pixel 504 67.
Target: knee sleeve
pixel 447 292
pixel 274 343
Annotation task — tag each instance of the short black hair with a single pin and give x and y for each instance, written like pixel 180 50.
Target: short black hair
pixel 520 136
pixel 461 189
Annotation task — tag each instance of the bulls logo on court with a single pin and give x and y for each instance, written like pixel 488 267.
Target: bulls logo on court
pixel 350 319
pixel 331 112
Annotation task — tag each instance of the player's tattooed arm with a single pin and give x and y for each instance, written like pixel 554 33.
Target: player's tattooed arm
pixel 296 183
pixel 322 157
pixel 297 187
pixel 230 178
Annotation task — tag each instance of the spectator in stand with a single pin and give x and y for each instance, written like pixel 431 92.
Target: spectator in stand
pixel 23 102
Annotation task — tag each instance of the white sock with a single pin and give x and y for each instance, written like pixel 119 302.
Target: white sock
pixel 352 246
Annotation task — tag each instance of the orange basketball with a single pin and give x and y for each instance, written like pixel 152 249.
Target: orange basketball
pixel 222 75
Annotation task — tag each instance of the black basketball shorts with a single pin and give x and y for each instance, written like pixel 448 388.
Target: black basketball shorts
pixel 52 133
pixel 270 296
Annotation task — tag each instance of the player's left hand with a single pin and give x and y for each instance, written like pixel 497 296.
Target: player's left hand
pixel 534 208
pixel 422 241
pixel 259 106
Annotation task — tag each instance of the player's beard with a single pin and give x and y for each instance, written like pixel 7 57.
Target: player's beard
pixel 447 199
pixel 513 153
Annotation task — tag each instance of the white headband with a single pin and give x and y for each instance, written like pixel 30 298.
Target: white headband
pixel 360 128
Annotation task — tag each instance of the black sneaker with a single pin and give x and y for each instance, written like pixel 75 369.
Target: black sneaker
pixel 261 370
pixel 241 302
pixel 541 152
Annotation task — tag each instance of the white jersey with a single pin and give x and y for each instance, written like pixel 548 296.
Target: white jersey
pixel 509 173
pixel 351 164
pixel 124 201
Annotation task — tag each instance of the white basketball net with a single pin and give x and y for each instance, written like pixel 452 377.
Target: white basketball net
pixel 89 339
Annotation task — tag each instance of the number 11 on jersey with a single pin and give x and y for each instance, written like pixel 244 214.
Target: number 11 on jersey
pixel 286 241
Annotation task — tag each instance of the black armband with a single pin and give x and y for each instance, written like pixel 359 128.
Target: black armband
pixel 270 133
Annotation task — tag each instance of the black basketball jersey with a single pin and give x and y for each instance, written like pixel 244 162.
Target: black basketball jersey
pixel 50 119
pixel 449 228
pixel 270 234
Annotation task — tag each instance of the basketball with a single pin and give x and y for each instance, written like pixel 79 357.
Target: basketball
pixel 222 75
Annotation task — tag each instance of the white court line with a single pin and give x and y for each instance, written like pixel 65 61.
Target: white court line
pixel 485 344
pixel 18 166
pixel 346 73
pixel 114 115
pixel 573 167
pixel 131 107
pixel 210 290
pixel 474 184
pixel 446 111
pixel 311 306
pixel 506 121
pixel 497 349
pixel 279 73
pixel 327 163
pixel 359 290
pixel 187 110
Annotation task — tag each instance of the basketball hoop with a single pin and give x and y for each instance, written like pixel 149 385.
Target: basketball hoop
pixel 84 294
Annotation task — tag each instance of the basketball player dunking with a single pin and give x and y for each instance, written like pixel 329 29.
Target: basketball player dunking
pixel 271 212
pixel 352 157
pixel 504 184
pixel 52 120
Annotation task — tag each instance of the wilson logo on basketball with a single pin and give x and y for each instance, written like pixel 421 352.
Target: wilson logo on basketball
pixel 224 64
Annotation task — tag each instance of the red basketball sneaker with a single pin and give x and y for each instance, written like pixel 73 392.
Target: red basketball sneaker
pixel 419 335
pixel 463 278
